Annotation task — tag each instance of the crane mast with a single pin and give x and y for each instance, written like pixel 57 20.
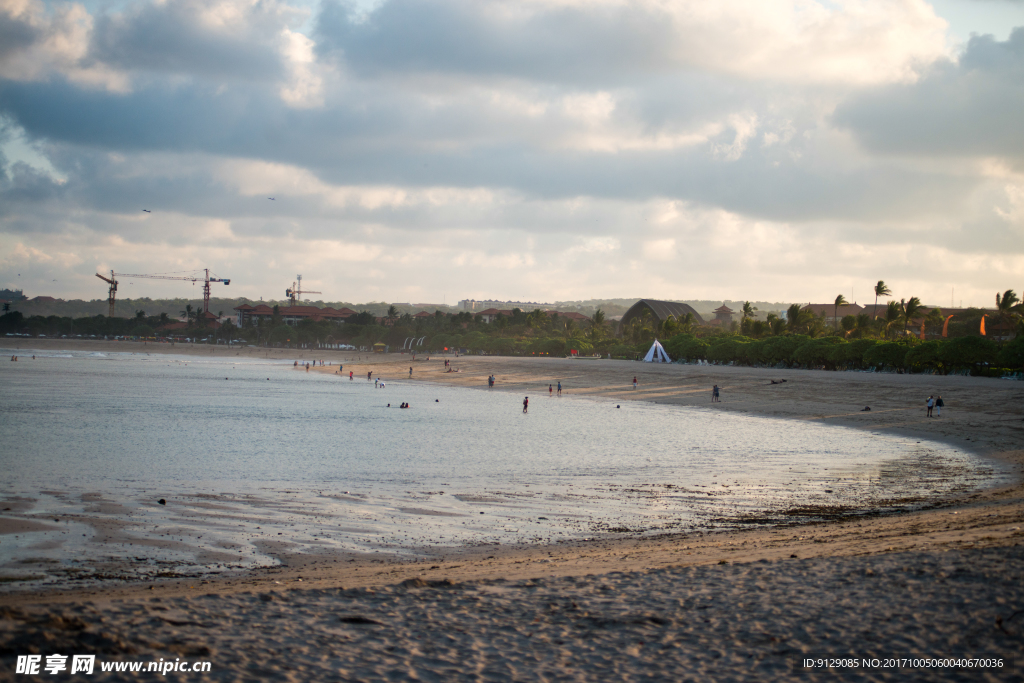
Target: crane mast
pixel 112 293
pixel 296 291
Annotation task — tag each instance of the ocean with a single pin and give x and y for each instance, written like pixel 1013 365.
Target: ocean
pixel 255 459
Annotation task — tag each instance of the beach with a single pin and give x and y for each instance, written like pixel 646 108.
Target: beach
pixel 737 604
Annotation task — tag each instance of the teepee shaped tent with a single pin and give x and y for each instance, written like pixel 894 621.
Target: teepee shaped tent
pixel 657 354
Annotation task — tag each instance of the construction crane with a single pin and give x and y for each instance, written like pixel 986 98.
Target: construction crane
pixel 205 279
pixel 296 291
pixel 112 294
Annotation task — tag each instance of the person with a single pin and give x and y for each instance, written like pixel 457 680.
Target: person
pixel 376 383
pixel 526 404
pixel 410 371
pixel 349 375
pixel 931 404
pixel 938 406
pixel 559 387
pixel 382 384
pixel 714 394
pixel 634 382
pixel 368 375
pixel 550 390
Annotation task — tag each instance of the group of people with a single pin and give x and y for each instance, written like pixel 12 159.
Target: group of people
pixel 490 380
pixel 551 389
pixel 934 403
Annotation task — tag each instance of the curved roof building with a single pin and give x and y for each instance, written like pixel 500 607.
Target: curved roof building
pixel 661 310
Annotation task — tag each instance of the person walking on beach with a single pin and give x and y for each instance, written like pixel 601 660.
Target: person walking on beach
pixel 559 387
pixel 410 372
pixel 634 382
pixel 930 403
pixel 368 375
pixel 550 390
pixel 938 406
pixel 526 404
pixel 714 395
pixel 349 375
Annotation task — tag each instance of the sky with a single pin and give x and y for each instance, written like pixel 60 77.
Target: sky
pixel 436 150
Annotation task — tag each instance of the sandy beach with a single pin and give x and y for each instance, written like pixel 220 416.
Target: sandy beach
pixel 731 605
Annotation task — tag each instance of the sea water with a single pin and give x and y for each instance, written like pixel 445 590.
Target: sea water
pixel 255 458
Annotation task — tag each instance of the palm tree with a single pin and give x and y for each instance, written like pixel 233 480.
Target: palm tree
pixel 840 301
pixel 909 310
pixel 597 325
pixel 893 313
pixel 392 314
pixel 880 290
pixel 1007 304
pixel 187 314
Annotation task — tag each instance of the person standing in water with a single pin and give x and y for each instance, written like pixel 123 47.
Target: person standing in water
pixel 526 404
pixel 551 390
pixel 634 382
pixel 559 387
pixel 410 372
pixel 714 394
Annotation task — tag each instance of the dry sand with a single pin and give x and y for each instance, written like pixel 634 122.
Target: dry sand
pixel 737 605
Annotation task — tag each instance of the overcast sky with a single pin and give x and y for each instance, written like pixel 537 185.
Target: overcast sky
pixel 435 150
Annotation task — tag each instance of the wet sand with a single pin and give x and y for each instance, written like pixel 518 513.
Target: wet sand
pixel 734 605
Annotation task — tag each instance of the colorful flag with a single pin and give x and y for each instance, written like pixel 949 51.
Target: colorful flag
pixel 945 325
pixel 982 326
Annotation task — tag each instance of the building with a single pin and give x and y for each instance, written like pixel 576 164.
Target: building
pixel 723 315
pixel 473 306
pixel 660 311
pixel 290 315
pixel 491 314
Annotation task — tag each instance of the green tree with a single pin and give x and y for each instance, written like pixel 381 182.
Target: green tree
pixel 392 314
pixel 840 301
pixel 188 314
pixel 968 352
pixel 848 323
pixel 1008 306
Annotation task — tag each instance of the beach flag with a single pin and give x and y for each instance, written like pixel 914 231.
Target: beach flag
pixel 982 326
pixel 945 325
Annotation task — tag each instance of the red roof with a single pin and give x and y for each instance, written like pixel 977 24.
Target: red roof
pixel 723 309
pixel 423 314
pixel 829 309
pixel 243 307
pixel 572 315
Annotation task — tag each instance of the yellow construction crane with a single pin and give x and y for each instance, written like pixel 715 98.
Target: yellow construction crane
pixel 296 291
pixel 205 279
pixel 112 294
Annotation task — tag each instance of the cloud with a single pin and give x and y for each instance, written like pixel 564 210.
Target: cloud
pixel 542 149
pixel 967 107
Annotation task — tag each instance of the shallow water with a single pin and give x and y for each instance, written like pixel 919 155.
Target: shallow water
pixel 255 458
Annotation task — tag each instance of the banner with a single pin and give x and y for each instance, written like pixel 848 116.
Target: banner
pixel 945 325
pixel 982 326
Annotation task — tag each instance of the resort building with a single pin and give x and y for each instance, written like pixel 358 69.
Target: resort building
pixel 473 306
pixel 829 310
pixel 290 315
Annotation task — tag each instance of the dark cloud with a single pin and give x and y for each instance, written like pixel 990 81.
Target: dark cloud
pixel 15 35
pixel 171 37
pixel 973 107
pixel 585 44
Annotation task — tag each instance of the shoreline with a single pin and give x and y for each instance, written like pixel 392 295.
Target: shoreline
pixel 976 428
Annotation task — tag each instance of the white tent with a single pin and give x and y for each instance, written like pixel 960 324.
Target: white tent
pixel 657 354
